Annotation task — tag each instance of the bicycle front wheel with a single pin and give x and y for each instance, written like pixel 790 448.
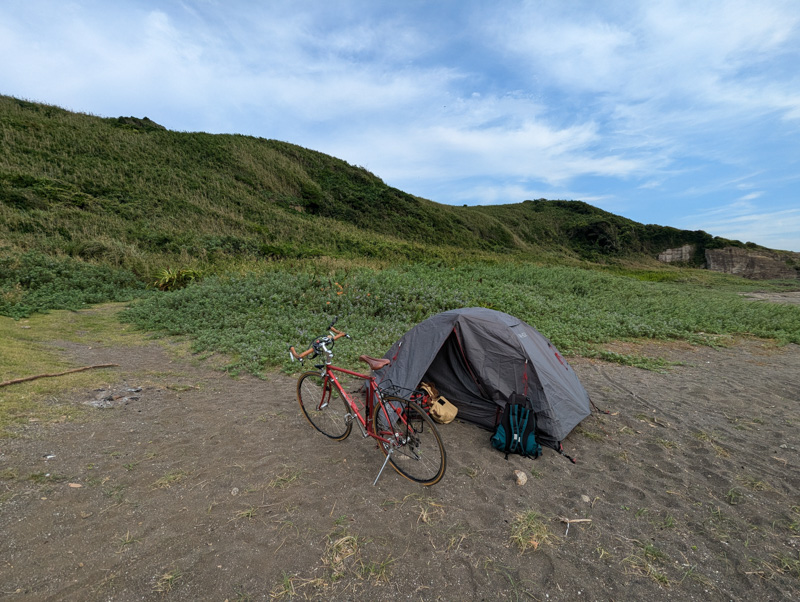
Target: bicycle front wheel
pixel 412 442
pixel 323 406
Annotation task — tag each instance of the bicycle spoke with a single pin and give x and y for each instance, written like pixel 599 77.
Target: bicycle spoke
pixel 417 450
pixel 323 406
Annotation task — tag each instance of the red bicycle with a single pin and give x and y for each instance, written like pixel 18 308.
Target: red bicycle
pixel 333 398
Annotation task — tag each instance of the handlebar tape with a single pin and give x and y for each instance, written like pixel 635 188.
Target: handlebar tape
pixel 305 353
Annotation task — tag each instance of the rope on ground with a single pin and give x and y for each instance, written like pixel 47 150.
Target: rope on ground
pixel 27 378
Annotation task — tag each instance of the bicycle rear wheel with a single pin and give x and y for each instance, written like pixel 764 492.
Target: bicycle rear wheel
pixel 417 451
pixel 323 406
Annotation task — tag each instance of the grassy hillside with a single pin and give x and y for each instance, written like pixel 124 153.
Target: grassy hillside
pixel 127 192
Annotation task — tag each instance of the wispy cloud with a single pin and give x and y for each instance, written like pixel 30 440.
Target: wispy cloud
pixel 746 222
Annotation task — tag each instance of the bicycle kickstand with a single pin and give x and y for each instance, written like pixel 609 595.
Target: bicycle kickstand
pixel 385 462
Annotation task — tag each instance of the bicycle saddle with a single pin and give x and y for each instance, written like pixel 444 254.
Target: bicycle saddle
pixel 374 363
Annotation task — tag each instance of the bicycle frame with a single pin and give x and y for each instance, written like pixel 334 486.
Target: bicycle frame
pixel 329 373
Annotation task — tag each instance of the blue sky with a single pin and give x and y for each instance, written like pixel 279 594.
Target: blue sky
pixel 679 113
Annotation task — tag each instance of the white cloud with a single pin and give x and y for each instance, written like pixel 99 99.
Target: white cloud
pixel 746 222
pixel 752 196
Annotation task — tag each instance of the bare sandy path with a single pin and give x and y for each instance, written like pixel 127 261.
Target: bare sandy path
pixel 204 487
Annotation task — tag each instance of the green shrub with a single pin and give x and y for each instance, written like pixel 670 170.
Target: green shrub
pixel 33 282
pixel 255 316
pixel 169 279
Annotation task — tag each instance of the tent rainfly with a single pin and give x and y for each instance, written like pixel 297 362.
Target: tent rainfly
pixel 478 357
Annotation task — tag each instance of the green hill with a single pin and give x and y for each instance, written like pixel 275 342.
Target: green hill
pixel 127 192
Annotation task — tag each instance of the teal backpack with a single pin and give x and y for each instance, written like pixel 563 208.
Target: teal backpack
pixel 516 431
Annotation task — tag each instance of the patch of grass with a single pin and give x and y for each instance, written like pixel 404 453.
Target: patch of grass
pixel 40 477
pixel 285 479
pixel 669 522
pixel 529 530
pixel 654 364
pixel 470 471
pixel 456 535
pixel 116 493
pixel 779 564
pixel 588 434
pixel 377 572
pixel 341 552
pixel 794 523
pixel 644 563
pixel 248 513
pixel 126 540
pixel 692 573
pixel 286 588
pixel 429 509
pixel 753 483
pixel 167 581
pixel 666 443
pixel 734 497
pixel 652 553
pixel 720 451
pixel 171 279
pixel 170 479
pixel 788 564
pixel 27 351
pixel 181 388
pixel 520 589
pixel 719 526
pixel 9 474
pixel 241 595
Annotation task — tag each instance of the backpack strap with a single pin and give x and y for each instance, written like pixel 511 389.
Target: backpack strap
pixel 523 425
pixel 512 425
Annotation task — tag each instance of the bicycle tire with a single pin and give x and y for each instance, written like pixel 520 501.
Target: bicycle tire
pixel 417 449
pixel 323 406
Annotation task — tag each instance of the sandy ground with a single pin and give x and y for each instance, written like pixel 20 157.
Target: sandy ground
pixel 205 487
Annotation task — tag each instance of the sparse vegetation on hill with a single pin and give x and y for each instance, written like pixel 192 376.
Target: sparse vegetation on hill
pixel 129 193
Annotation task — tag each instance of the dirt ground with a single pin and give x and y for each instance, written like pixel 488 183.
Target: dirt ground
pixel 201 486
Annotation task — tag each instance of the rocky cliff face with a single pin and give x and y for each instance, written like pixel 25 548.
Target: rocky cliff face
pixel 758 265
pixel 683 254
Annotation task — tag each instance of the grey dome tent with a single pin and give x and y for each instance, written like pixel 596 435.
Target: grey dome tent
pixel 478 357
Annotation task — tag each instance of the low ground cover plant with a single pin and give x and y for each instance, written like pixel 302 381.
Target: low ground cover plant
pixel 253 317
pixel 34 282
